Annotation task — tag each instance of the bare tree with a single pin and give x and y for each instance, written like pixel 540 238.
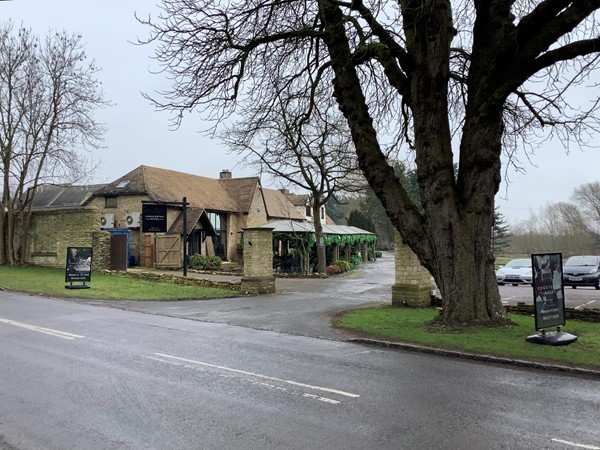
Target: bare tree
pixel 587 196
pixel 48 93
pixel 492 75
pixel 309 147
pixel 556 227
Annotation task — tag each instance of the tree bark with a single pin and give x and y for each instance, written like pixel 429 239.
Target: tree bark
pixel 453 237
pixel 321 255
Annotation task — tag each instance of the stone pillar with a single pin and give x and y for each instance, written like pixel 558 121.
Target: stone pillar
pixel 258 261
pixel 101 251
pixel 365 252
pixel 413 282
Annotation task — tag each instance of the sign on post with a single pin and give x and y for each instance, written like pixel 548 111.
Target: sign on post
pixel 548 290
pixel 79 267
pixel 549 299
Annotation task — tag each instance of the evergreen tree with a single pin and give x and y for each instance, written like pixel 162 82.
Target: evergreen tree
pixel 500 233
pixel 360 220
pixel 335 210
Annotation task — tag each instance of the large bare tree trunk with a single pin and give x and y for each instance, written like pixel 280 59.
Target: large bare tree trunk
pixel 453 237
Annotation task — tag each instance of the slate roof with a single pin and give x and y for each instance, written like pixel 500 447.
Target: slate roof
pixel 298 199
pixel 193 216
pixel 227 195
pixel 279 207
pixel 48 196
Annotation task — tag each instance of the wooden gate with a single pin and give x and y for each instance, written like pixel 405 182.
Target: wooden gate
pixel 168 252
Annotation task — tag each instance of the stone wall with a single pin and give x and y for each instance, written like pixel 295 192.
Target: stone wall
pixel 177 279
pixel 413 284
pixel 51 232
pixel 101 249
pixel 127 204
pixel 586 315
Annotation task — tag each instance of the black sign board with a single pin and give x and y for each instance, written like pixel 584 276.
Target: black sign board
pixel 548 291
pixel 154 218
pixel 79 264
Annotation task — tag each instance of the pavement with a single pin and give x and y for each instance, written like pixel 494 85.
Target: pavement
pixel 306 307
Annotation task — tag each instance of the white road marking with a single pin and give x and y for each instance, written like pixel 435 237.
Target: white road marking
pixel 264 377
pixel 49 331
pixel 505 300
pixel 573 444
pixel 585 304
pixel 322 399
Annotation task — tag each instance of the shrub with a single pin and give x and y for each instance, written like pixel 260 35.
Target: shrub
pixel 344 265
pixel 378 254
pixel 201 262
pixel 356 259
pixel 333 269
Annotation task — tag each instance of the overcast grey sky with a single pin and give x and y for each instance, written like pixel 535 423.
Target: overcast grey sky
pixel 137 134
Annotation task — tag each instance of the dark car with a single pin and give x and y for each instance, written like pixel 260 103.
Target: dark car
pixel 582 271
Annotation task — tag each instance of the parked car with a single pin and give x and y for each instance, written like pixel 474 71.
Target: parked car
pixel 515 272
pixel 582 271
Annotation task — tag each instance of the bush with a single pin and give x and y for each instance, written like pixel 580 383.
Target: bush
pixel 378 254
pixel 356 259
pixel 333 269
pixel 201 262
pixel 344 265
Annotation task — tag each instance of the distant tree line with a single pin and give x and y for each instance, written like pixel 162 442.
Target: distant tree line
pixel 567 227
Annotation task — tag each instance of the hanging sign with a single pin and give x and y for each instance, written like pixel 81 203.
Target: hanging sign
pixel 154 218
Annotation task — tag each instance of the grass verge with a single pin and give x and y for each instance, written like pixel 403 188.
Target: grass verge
pixel 414 326
pixel 51 281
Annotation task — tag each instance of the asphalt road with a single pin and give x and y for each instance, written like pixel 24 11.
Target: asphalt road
pixel 76 376
pixel 305 307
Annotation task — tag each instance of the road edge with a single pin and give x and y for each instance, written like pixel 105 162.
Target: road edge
pixel 579 371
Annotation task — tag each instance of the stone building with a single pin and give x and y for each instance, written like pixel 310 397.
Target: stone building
pixel 217 211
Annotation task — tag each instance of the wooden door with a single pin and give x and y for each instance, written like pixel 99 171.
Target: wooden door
pixel 118 252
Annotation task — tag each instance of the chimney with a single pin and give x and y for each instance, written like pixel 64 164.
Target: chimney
pixel 225 174
pixel 284 191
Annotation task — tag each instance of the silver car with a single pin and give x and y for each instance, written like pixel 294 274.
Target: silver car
pixel 515 272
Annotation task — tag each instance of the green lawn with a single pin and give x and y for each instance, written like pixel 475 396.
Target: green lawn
pixel 51 282
pixel 414 326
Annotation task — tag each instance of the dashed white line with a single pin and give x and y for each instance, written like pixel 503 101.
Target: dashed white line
pixel 585 304
pixel 574 444
pixel 264 377
pixel 49 331
pixel 322 399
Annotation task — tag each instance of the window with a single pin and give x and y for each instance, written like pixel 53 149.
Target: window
pixel 215 220
pixel 110 202
pixel 308 211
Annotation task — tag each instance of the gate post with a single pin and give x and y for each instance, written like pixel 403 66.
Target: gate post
pixel 258 261
pixel 413 282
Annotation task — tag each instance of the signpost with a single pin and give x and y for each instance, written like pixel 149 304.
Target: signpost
pixel 79 267
pixel 154 220
pixel 549 299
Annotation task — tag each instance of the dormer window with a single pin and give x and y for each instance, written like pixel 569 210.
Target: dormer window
pixel 123 184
